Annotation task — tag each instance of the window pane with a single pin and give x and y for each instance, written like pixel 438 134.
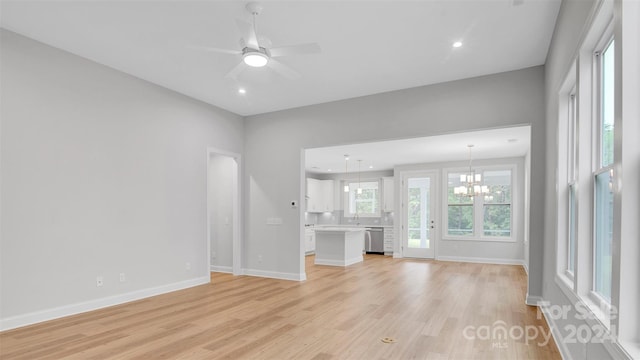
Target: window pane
pixel 497 220
pixel 414 210
pixel 571 141
pixel 572 228
pixel 604 235
pixel 453 182
pixel 607 105
pixel 365 203
pixel 499 183
pixel 460 220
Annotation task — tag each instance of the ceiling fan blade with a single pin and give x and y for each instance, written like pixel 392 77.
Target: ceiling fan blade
pixel 214 49
pixel 301 49
pixel 248 34
pixel 233 74
pixel 283 70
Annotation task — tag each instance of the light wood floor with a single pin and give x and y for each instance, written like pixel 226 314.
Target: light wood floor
pixel 338 313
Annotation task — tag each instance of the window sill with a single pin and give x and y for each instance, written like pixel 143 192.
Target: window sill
pixel 478 239
pixel 566 285
pixel 600 308
pixel 630 349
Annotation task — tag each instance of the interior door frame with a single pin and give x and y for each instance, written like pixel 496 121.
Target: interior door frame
pixel 435 177
pixel 237 210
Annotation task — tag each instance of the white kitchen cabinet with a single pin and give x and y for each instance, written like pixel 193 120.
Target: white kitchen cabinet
pixel 314 193
pixel 389 238
pixel 319 195
pixel 387 194
pixel 309 241
pixel 327 195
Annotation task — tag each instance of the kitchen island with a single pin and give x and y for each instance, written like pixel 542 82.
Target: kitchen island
pixel 339 246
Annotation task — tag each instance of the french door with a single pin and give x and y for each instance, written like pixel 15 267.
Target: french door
pixel 419 214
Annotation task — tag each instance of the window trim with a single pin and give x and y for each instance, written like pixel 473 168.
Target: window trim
pixel 347 214
pixel 572 183
pixel 478 206
pixel 597 167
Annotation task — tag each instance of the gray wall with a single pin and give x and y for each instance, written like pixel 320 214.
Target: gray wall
pixel 274 153
pixel 102 174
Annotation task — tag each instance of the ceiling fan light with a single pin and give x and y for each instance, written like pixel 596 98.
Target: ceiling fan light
pixel 255 59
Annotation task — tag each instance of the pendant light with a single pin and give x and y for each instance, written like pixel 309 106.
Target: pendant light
pixel 346 182
pixel 359 187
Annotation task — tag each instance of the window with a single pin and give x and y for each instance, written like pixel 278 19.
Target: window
pixel 603 204
pixel 492 211
pixel 572 152
pixel 459 209
pixel 363 203
pixel 497 204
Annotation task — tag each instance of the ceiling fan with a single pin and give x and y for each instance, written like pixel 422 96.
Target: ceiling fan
pixel 258 55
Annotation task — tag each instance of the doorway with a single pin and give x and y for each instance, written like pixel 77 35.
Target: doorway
pixel 419 213
pixel 223 211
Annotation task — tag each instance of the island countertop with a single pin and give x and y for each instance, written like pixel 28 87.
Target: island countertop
pixel 341 229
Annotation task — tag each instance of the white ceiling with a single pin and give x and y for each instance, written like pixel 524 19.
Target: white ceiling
pixel 488 144
pixel 368 47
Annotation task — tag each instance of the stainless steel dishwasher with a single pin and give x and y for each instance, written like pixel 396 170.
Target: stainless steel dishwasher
pixel 374 240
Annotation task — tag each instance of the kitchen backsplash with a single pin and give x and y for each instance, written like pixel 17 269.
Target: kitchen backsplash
pixel 336 217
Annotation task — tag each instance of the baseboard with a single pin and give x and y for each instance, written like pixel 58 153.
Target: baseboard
pixel 222 269
pixel 275 275
pixel 557 337
pixel 333 262
pixel 533 300
pixel 74 309
pixel 482 260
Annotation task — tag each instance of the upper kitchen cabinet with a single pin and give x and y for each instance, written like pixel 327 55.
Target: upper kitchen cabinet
pixel 387 194
pixel 319 195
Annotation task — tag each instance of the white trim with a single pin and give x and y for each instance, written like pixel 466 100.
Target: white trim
pixel 74 309
pixel 480 239
pixel 509 164
pixel 333 262
pixel 222 269
pixel 434 174
pixel 477 260
pixel 237 209
pixel 555 332
pixel 275 275
pixel 533 300
pixel 616 350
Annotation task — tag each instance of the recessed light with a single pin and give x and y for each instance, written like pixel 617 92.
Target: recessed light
pixel 512 140
pixel 457 44
pixel 370 166
pixel 242 91
pixel 329 170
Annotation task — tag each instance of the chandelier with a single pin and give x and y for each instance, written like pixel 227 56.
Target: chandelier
pixel 471 182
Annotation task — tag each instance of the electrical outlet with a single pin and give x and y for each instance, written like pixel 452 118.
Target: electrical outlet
pixel 99 281
pixel 187 266
pixel 123 277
